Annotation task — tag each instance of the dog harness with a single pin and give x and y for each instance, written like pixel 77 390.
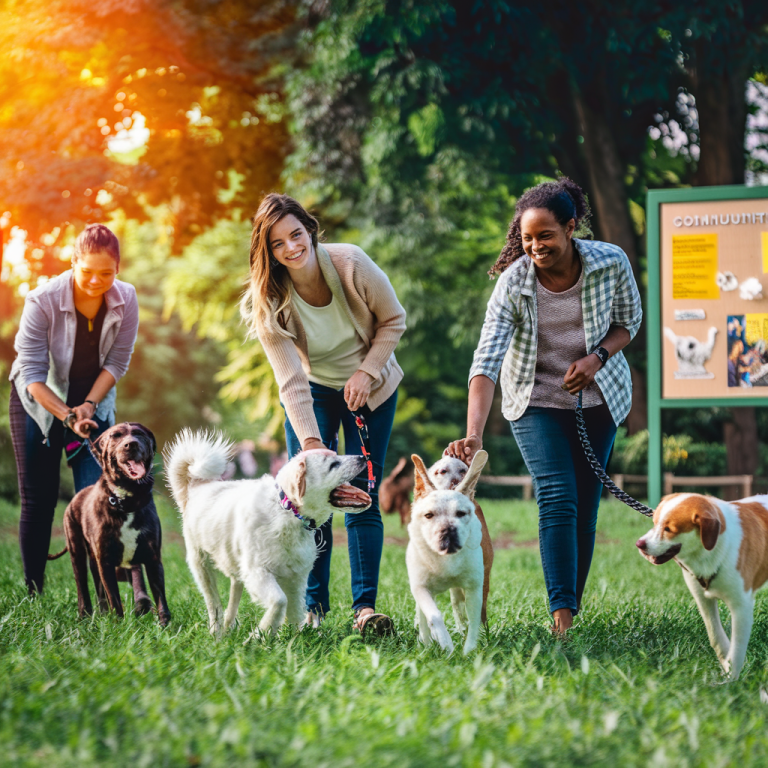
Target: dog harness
pixel 286 503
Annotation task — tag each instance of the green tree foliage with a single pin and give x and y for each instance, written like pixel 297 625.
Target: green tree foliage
pixel 74 74
pixel 400 96
pixel 409 127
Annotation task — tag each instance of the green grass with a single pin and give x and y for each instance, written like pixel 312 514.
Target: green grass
pixel 637 684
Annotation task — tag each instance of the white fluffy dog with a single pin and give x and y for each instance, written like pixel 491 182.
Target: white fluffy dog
pixel 259 533
pixel 444 553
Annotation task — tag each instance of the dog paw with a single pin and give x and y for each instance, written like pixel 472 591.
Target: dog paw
pixel 143 606
pixel 445 642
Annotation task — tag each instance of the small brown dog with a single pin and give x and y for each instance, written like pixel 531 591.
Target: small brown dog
pixel 395 491
pixel 114 523
pixel 446 475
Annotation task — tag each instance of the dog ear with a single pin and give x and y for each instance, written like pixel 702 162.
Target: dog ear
pixel 147 431
pixel 297 482
pixel 671 335
pixel 400 466
pixel 152 436
pixel 467 485
pixel 709 526
pixel 422 484
pixel 97 448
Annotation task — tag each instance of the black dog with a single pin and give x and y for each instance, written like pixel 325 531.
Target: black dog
pixel 114 523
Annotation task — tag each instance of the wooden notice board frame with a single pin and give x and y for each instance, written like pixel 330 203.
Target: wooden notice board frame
pixel 674 212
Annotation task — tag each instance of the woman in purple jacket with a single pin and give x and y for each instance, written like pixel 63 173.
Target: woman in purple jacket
pixel 74 342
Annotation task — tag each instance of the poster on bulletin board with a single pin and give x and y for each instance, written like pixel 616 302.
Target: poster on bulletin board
pixel 713 285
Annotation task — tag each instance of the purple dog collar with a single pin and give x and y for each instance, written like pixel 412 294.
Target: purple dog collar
pixel 286 503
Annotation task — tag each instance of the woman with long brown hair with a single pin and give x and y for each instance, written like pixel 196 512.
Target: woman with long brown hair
pixel 329 321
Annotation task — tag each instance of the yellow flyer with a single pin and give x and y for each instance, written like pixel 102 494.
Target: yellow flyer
pixel 694 266
pixel 757 328
pixel 764 236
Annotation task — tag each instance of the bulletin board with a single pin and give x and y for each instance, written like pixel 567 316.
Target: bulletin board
pixel 714 298
pixel 707 304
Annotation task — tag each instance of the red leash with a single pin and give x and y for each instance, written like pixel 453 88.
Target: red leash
pixel 365 441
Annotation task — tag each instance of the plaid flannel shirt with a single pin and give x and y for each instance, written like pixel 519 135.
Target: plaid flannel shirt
pixel 508 340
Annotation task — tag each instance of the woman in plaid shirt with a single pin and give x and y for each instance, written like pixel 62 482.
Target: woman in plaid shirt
pixel 561 312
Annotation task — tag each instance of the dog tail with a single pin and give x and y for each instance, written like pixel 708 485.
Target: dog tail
pixel 195 457
pixel 58 554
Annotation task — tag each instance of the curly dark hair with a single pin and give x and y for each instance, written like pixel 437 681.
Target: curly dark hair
pixel 564 197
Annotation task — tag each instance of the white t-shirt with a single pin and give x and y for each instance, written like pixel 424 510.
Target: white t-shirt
pixel 335 348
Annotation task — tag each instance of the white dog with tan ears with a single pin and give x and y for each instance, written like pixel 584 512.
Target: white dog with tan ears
pixel 444 553
pixel 446 474
pixel 259 533
pixel 723 549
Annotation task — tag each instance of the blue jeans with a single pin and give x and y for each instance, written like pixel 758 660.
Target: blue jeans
pixel 567 492
pixel 365 531
pixel 37 466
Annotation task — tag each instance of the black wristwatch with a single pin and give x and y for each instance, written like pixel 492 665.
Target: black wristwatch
pixel 602 353
pixel 69 420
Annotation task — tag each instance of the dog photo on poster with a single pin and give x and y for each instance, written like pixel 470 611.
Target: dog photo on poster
pixel 692 354
pixel 748 350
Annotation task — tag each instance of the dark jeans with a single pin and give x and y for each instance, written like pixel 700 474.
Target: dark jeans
pixel 567 492
pixel 365 531
pixel 37 466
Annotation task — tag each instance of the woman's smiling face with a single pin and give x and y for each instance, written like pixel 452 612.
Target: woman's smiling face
pixel 94 273
pixel 545 240
pixel 290 243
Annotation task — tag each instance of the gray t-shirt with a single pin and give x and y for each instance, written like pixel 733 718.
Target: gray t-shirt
pixel 560 342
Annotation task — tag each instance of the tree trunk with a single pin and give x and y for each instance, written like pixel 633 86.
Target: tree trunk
pixel 606 179
pixel 742 443
pixel 720 91
pixel 610 203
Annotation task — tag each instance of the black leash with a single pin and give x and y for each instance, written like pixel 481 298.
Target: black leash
pixel 581 428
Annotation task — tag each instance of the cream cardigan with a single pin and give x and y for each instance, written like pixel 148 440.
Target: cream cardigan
pixel 366 295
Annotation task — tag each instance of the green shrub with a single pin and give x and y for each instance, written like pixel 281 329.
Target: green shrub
pixel 680 455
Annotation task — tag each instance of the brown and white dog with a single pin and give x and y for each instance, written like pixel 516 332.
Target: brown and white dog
pixel 723 549
pixel 445 475
pixel 114 523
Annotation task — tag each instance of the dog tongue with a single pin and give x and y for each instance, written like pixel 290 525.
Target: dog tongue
pixel 135 469
pixel 347 495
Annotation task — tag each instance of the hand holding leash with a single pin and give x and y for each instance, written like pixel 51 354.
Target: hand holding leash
pixel 357 390
pixel 581 374
pixel 84 427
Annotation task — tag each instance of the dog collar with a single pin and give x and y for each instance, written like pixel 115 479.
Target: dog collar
pixel 286 503
pixel 705 582
pixel 115 502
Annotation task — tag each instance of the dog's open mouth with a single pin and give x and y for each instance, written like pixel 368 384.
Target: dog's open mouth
pixel 673 551
pixel 347 496
pixel 134 469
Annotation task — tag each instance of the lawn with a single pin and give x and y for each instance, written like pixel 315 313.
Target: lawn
pixel 636 684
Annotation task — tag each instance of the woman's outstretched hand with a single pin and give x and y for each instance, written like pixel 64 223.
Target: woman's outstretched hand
pixel 357 389
pixel 464 449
